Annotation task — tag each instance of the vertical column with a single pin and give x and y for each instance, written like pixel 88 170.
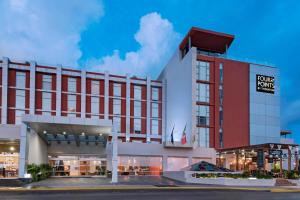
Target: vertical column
pixel 32 88
pixel 165 163
pixel 4 90
pixel 58 91
pixel 23 151
pixel 163 110
pixel 83 93
pixel 114 178
pixel 106 94
pixel 128 107
pixel 190 160
pixel 236 161
pixel 148 108
pixel 289 160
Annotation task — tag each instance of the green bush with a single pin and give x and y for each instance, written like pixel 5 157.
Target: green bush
pixel 38 172
pixel 291 175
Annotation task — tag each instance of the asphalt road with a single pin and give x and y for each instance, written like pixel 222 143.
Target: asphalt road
pixel 152 194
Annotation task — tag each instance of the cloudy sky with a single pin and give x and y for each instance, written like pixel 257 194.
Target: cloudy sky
pixel 138 37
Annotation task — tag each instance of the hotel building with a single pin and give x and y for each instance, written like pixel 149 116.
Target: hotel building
pixel 69 117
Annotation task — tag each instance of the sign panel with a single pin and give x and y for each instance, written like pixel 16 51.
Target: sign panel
pixel 265 84
pixel 260 159
pixel 275 153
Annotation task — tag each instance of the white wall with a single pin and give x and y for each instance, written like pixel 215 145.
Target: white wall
pixel 9 132
pixel 178 94
pixel 264 108
pixel 37 149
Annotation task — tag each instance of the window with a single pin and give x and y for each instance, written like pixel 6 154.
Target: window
pixel 155 94
pixel 137 92
pixel 71 103
pixel 203 134
pixel 154 109
pixel 117 124
pixel 95 105
pixel 46 102
pixel 137 108
pixel 19 114
pixel 203 115
pixel 71 84
pixel 20 80
pixel 20 99
pixel 154 127
pixel 117 89
pixel 202 71
pixel 203 92
pixel 47 82
pixel 221 73
pixel 137 126
pixel 95 87
pixel 117 106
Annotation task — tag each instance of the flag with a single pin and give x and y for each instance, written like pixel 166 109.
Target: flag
pixel 183 138
pixel 172 135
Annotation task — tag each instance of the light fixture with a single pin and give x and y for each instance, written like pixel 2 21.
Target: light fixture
pixel 11 148
pixel 64 132
pixel 82 133
pixel 44 132
pixel 100 134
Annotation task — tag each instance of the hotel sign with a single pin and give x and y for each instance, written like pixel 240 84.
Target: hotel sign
pixel 265 84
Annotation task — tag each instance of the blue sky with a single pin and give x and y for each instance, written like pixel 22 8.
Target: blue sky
pixel 139 36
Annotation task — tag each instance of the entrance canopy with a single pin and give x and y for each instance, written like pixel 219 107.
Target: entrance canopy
pixel 55 128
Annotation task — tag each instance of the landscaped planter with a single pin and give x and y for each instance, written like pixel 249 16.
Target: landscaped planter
pixel 186 176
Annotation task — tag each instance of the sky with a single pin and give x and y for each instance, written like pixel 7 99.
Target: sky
pixel 139 36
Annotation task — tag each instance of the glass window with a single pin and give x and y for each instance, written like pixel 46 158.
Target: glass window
pixel 137 108
pixel 117 89
pixel 203 92
pixel 47 82
pixel 202 71
pixel 203 115
pixel 155 94
pixel 95 105
pixel 117 123
pixel 137 126
pixel 46 102
pixel 20 79
pixel 71 103
pixel 177 163
pixel 154 127
pixel 137 92
pixel 203 135
pixel 117 106
pixel 20 99
pixel 154 109
pixel 71 84
pixel 95 90
pixel 19 114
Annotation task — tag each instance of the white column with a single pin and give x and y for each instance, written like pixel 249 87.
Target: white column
pixel 128 107
pixel 106 95
pixel 58 91
pixel 114 178
pixel 190 160
pixel 148 108
pixel 32 88
pixel 163 110
pixel 23 151
pixel 83 93
pixel 165 163
pixel 4 90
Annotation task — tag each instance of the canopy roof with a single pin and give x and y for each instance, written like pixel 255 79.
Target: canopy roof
pixel 208 40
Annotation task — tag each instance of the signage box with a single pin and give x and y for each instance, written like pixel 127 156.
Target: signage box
pixel 265 84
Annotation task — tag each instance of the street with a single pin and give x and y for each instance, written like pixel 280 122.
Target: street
pixel 151 194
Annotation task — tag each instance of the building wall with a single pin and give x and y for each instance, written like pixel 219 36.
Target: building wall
pixel 177 77
pixel 264 108
pixel 60 94
pixel 37 149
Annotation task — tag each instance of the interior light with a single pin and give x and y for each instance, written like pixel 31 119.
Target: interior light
pixel 64 132
pixel 100 134
pixel 44 132
pixel 82 133
pixel 11 148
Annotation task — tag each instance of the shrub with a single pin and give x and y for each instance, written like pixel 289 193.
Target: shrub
pixel 38 172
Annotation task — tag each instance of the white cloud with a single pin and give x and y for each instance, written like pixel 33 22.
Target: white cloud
pixel 46 31
pixel 157 39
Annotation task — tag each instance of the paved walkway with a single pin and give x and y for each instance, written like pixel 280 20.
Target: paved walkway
pixel 101 181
